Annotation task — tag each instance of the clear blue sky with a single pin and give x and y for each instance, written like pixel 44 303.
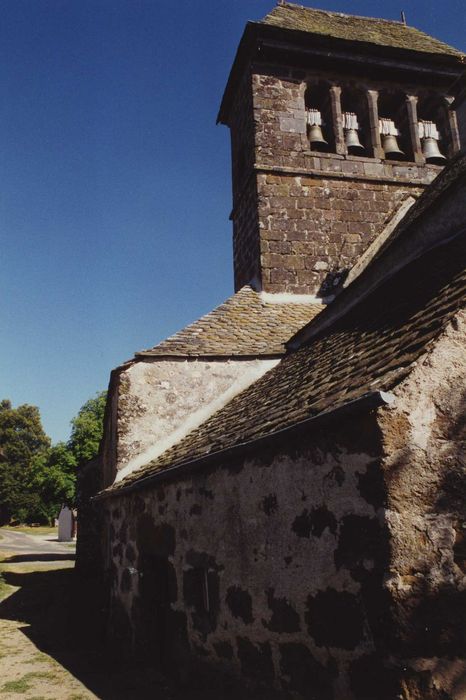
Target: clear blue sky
pixel 115 182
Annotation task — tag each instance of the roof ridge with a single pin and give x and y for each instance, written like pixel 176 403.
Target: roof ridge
pixel 356 28
pixel 342 14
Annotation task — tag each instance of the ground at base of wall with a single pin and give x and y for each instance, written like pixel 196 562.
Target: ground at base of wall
pixel 50 645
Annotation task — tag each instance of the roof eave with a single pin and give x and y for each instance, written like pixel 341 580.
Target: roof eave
pixel 208 356
pixel 365 403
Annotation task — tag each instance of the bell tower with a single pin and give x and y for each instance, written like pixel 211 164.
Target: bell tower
pixel 335 120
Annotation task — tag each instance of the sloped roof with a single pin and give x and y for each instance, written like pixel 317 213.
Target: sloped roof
pixel 371 348
pixel 248 323
pixel 353 28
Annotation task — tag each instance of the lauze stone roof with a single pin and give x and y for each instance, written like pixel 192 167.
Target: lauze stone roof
pixel 371 348
pixel 246 324
pixel 363 29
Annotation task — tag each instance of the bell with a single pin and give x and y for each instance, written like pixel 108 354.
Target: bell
pixel 316 138
pixel 431 152
pixel 390 146
pixel 352 141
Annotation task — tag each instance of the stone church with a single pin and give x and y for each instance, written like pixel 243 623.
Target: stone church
pixel 280 491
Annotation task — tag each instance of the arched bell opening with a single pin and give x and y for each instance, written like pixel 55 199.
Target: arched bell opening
pixel 355 117
pixel 394 126
pixel 320 128
pixel 434 128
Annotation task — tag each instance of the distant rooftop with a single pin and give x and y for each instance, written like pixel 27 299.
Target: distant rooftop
pixel 353 28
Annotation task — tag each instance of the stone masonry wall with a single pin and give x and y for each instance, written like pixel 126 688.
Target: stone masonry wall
pixel 424 439
pixel 314 229
pixel 304 218
pixel 280 585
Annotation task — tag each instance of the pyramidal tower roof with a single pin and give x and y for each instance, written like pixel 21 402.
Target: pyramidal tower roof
pixel 381 32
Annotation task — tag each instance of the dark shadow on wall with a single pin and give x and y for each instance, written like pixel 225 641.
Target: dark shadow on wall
pixel 64 617
pixel 332 284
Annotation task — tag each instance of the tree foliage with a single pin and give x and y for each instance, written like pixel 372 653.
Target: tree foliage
pixel 36 478
pixel 87 429
pixel 22 439
pixel 55 477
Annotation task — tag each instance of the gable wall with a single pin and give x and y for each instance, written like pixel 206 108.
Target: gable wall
pixel 291 549
pixel 156 402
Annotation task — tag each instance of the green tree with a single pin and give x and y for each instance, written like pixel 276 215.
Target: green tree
pixel 87 428
pixel 35 477
pixel 54 478
pixel 55 470
pixel 22 438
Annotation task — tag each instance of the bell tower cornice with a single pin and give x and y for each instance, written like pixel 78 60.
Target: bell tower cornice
pixel 262 42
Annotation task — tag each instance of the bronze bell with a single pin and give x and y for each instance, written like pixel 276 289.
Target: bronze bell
pixel 316 138
pixel 352 142
pixel 431 151
pixel 390 146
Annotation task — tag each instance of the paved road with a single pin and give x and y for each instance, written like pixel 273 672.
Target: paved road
pixel 42 546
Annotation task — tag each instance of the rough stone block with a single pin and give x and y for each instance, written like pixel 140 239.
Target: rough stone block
pixel 297 126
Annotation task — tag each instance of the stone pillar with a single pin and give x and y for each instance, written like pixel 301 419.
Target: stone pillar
pixel 372 97
pixel 411 106
pixel 455 143
pixel 337 119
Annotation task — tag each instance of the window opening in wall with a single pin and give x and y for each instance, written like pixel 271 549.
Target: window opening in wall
pixel 355 122
pixel 198 589
pixel 394 126
pixel 319 118
pixel 434 131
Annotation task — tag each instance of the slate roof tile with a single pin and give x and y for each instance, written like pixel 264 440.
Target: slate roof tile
pixel 245 324
pixel 353 28
pixel 372 347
